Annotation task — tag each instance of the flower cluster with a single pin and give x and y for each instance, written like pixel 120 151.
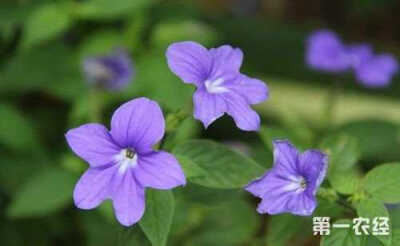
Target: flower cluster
pixel 326 52
pixel 123 162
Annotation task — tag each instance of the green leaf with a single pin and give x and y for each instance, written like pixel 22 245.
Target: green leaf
pixel 45 23
pixel 377 139
pixel 396 237
pixel 15 171
pixel 383 182
pixel 157 220
pixel 105 9
pixel 44 193
pixel 372 208
pixel 16 131
pixel 25 72
pixel 231 224
pixel 225 168
pixel 346 182
pixel 343 151
pixel 342 237
pixel 156 81
pixel 282 228
pixel 190 168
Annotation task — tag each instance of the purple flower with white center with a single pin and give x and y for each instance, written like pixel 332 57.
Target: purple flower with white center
pixel 377 71
pixel 292 183
pixel 122 161
pixel 112 72
pixel 326 52
pixel 221 88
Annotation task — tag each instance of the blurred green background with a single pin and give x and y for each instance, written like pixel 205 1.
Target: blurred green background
pixel 43 93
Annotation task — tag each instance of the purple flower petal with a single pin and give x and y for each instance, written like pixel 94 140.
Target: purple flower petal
pixel 189 61
pixel 313 165
pixel 295 203
pixel 285 156
pixel 226 60
pixel 244 116
pixel 277 191
pixel 255 91
pixel 357 54
pixel 93 143
pixel 94 187
pixel 377 71
pixel 326 52
pixel 138 124
pixel 159 170
pixel 259 186
pixel 128 199
pixel 208 107
pixel 301 204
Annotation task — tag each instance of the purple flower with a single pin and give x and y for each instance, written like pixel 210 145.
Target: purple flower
pixel 358 54
pixel 377 71
pixel 221 88
pixel 122 161
pixel 112 72
pixel 292 183
pixel 326 52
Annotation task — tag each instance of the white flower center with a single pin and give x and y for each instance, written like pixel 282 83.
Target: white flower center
pixel 127 158
pixel 215 86
pixel 297 184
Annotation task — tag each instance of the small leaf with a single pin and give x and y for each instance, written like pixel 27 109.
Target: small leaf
pixel 342 237
pixel 224 168
pixel 383 182
pixel 343 151
pixel 45 23
pixel 44 193
pixel 157 220
pixel 346 182
pixel 372 208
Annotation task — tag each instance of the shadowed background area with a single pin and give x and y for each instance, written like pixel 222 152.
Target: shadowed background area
pixel 44 92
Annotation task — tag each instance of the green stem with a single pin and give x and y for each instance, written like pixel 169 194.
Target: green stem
pixel 331 100
pixel 331 195
pixel 346 205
